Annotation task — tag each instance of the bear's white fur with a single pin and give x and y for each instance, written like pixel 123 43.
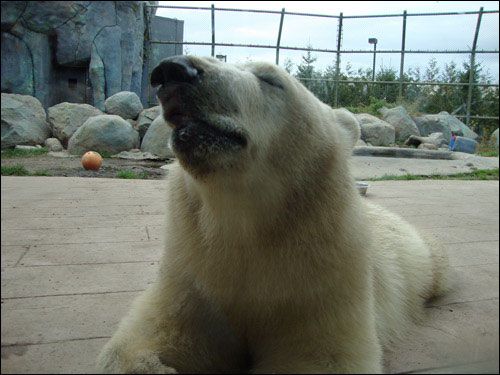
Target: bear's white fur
pixel 273 262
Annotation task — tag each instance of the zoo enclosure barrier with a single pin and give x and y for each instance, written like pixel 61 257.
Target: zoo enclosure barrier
pixel 473 51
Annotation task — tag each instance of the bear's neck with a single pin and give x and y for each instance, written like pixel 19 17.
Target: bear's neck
pixel 265 203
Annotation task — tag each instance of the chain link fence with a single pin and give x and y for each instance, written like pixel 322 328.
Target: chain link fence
pixel 407 85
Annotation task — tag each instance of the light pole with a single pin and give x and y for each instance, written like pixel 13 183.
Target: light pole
pixel 222 58
pixel 374 42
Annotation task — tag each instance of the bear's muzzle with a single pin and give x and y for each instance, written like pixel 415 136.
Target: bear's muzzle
pixel 201 132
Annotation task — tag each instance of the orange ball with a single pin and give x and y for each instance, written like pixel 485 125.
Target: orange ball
pixel 91 160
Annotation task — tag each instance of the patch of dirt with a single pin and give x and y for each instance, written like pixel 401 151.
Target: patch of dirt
pixel 72 166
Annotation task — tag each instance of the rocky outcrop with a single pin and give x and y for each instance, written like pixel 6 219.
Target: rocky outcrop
pixel 105 133
pixel 17 72
pixel 428 124
pixel 375 131
pixel 46 42
pixel 457 127
pixel 157 138
pixel 65 118
pixel 402 123
pixel 23 121
pixel 125 104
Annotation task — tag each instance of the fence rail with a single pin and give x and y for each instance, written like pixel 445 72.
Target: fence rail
pixel 455 52
pixel 320 15
pixel 338 51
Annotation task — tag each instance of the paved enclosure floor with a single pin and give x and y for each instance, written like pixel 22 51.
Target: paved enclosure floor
pixel 76 251
pixel 377 166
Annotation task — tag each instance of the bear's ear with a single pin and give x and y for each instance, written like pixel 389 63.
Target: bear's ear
pixel 348 124
pixel 157 77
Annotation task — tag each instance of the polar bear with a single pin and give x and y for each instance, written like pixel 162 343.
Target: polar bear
pixel 273 262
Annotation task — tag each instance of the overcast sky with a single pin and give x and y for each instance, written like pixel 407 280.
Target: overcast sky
pixel 422 33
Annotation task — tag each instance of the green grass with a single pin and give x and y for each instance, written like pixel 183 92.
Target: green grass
pixel 15 170
pixel 105 154
pixel 19 170
pixel 131 175
pixel 488 153
pixel 485 146
pixel 17 153
pixel 40 173
pixel 480 174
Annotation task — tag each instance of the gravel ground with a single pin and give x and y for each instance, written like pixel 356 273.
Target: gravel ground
pixel 72 166
pixel 363 167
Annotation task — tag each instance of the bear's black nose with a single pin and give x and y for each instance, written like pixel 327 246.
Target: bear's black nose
pixel 175 69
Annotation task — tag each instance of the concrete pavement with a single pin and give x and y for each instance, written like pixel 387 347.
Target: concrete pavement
pixel 76 251
pixel 378 166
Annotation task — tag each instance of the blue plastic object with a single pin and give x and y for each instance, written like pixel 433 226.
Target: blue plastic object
pixel 463 144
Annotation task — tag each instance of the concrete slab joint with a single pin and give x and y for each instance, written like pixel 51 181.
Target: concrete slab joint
pixel 76 251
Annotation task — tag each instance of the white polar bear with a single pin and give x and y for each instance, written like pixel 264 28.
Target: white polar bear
pixel 273 262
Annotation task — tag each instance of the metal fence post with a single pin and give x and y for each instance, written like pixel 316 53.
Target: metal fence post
pixel 472 63
pixel 213 31
pixel 148 54
pixel 279 37
pixel 401 67
pixel 336 80
pixel 337 67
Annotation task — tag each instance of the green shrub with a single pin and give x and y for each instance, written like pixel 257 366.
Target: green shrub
pixel 18 153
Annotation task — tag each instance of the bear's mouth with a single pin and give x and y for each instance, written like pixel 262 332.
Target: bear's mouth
pixel 198 134
pixel 199 137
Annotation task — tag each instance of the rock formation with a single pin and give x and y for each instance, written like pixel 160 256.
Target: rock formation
pixel 78 51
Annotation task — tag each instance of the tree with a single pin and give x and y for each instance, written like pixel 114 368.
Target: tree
pixel 288 65
pixel 306 71
pixel 361 95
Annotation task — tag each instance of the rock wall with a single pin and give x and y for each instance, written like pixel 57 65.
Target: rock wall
pixel 77 51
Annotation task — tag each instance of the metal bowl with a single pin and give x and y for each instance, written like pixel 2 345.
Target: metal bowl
pixel 362 187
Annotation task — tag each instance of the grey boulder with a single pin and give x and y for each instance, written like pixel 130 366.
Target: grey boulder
pixel 125 104
pixel 146 117
pixel 402 123
pixel 53 144
pixel 444 123
pixel 428 124
pixel 23 121
pixel 65 118
pixel 103 133
pixel 156 140
pixel 375 131
pixel 458 127
pixel 436 139
pixel 494 138
pixel 427 146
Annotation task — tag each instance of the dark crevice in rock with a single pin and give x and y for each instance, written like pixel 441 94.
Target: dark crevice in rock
pixel 98 54
pixel 82 10
pixel 22 13
pixel 32 67
pixel 97 34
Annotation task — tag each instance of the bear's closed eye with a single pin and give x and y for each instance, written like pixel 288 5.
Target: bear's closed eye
pixel 270 81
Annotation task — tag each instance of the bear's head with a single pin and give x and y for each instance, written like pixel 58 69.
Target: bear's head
pixel 234 118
